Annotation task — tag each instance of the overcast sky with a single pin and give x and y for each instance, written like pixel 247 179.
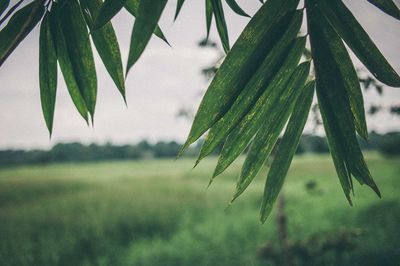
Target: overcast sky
pixel 164 80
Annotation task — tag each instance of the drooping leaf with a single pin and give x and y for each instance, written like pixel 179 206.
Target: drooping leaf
pixel 387 6
pixel 239 65
pixel 18 27
pixel 347 71
pixel 286 150
pixel 221 24
pixel 108 10
pixel 236 8
pixel 358 40
pixel 178 8
pixel 255 87
pixel 149 12
pixel 241 136
pixel 271 127
pixel 47 71
pixel 209 15
pixel 80 53
pixel 106 44
pixel 335 109
pixel 3 6
pixel 66 65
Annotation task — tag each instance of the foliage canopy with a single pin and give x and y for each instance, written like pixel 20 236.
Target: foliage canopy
pixel 262 86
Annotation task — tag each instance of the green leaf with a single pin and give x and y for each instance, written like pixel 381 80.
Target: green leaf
pixel 271 127
pixel 221 24
pixel 238 67
pixel 132 6
pixel 18 27
pixel 255 87
pixel 149 12
pixel 240 137
pixel 106 44
pixel 358 40
pixel 3 6
pixel 79 49
pixel 286 150
pixel 347 72
pixel 66 65
pixel 178 8
pixel 47 71
pixel 209 13
pixel 236 8
pixel 107 11
pixel 387 6
pixel 336 111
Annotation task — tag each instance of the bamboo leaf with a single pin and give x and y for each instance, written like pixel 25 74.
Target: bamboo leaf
pixel 255 87
pixel 3 6
pixel 236 8
pixel 358 40
pixel 239 65
pixel 347 72
pixel 221 24
pixel 240 137
pixel 79 50
pixel 47 71
pixel 107 11
pixel 66 65
pixel 132 7
pixel 178 8
pixel 106 44
pixel 387 6
pixel 209 13
pixel 18 27
pixel 149 12
pixel 286 150
pixel 271 127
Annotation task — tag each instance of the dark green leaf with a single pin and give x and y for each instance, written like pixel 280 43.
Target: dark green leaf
pixel 221 24
pixel 106 44
pixel 47 71
pixel 347 72
pixel 387 6
pixel 66 65
pixel 178 8
pixel 271 127
pixel 79 49
pixel 254 88
pixel 209 13
pixel 239 65
pixel 240 137
pixel 3 6
pixel 286 150
pixel 358 40
pixel 107 11
pixel 149 12
pixel 18 27
pixel 236 8
pixel 132 6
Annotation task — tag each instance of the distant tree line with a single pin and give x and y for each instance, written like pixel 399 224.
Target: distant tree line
pixel 388 144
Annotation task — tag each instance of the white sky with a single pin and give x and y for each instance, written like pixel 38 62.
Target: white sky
pixel 164 80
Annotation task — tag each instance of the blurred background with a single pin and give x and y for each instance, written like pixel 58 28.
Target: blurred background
pixel 113 194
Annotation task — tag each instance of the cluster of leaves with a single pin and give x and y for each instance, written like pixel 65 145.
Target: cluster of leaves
pixel 262 85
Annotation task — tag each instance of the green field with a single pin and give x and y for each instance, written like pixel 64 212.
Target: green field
pixel 159 212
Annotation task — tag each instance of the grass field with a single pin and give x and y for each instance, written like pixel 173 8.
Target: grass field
pixel 160 213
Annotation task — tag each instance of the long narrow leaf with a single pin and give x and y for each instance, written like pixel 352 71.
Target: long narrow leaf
pixel 47 71
pixel 209 15
pixel 107 11
pixel 272 126
pixel 238 66
pixel 254 87
pixel 18 27
pixel 286 150
pixel 179 5
pixel 221 24
pixel 358 40
pixel 3 6
pixel 106 44
pixel 387 6
pixel 236 8
pixel 149 12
